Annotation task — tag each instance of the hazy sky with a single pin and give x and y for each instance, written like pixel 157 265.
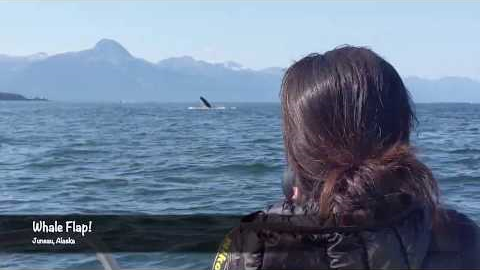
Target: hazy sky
pixel 425 39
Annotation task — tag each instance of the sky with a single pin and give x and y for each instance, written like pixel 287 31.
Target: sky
pixel 426 39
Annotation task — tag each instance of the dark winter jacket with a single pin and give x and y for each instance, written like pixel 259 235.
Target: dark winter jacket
pixel 401 235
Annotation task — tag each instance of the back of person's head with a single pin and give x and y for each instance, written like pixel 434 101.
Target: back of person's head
pixel 347 120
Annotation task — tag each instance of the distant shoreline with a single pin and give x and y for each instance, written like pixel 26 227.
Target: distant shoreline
pixel 17 97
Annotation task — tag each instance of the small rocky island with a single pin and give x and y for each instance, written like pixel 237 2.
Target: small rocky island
pixel 13 97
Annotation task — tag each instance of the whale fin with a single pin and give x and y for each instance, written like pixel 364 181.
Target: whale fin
pixel 205 102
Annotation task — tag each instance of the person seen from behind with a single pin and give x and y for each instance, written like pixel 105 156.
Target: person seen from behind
pixel 356 196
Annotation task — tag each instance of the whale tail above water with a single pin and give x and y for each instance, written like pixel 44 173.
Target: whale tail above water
pixel 205 102
pixel 208 106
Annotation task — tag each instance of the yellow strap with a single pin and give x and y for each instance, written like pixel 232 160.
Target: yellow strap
pixel 223 254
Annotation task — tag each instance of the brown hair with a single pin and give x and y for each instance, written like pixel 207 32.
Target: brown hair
pixel 347 118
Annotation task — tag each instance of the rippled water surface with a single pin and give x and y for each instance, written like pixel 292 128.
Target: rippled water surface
pixel 58 158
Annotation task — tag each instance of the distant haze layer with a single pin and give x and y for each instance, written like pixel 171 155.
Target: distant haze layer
pixel 108 72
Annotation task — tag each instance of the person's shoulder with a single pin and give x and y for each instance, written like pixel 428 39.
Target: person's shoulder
pixel 456 232
pixel 468 230
pixel 457 216
pixel 242 247
pixel 280 208
pixel 285 208
pixel 465 228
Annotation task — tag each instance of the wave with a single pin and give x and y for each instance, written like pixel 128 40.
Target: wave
pixel 465 151
pixel 257 167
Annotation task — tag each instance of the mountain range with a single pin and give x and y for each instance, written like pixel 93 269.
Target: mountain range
pixel 108 72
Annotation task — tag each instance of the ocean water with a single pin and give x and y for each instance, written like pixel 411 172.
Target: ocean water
pixel 153 158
